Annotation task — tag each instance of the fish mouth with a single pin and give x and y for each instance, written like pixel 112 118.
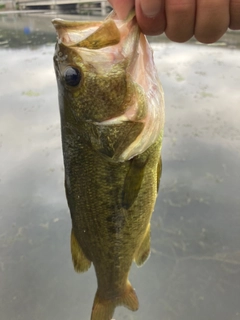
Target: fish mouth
pixel 90 35
pixel 103 44
pixel 96 34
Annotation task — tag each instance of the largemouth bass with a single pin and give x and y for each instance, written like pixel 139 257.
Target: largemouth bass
pixel 112 119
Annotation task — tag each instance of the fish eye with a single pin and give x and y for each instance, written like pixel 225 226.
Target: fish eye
pixel 72 76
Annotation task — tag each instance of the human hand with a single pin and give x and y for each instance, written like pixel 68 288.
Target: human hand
pixel 207 20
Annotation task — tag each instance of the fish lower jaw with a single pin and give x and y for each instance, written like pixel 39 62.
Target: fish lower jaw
pixel 131 114
pixel 117 120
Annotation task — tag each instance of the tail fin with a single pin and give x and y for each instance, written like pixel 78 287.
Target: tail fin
pixel 103 309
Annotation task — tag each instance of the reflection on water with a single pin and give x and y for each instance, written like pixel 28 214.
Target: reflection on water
pixel 22 30
pixel 194 269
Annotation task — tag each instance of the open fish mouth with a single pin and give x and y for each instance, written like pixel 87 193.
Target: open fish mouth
pixel 103 44
pixel 98 34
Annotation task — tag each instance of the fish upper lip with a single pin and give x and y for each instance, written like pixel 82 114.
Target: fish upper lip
pixel 91 34
pixel 58 22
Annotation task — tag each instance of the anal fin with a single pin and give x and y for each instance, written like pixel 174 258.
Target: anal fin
pixel 80 262
pixel 143 252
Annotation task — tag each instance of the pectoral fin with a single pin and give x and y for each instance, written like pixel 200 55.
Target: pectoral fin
pixel 80 262
pixel 143 251
pixel 133 181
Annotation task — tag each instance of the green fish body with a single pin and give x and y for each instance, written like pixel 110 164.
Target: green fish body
pixel 112 118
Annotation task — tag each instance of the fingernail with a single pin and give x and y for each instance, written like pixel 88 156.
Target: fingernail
pixel 150 10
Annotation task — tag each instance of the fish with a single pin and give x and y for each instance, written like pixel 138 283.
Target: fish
pixel 112 119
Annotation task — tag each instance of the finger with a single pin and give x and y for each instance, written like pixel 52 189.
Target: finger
pixel 180 17
pixel 150 8
pixel 150 16
pixel 234 15
pixel 122 8
pixel 212 20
